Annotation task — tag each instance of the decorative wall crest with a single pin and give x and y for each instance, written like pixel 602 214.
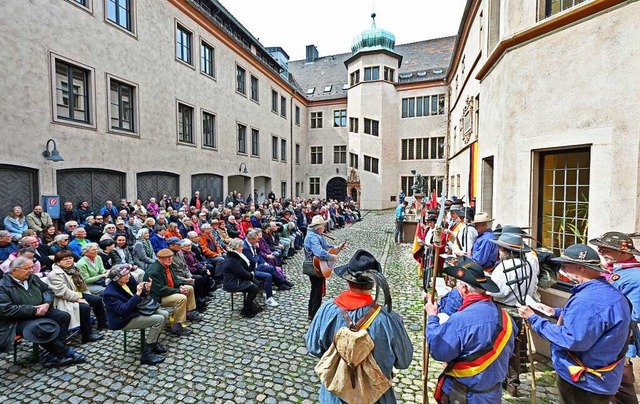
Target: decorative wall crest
pixel 466 123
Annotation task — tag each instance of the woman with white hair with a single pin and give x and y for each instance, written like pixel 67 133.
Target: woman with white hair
pixel 92 268
pixel 236 271
pixel 109 232
pixel 143 255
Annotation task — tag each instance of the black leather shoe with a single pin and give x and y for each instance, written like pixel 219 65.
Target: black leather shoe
pixel 178 330
pixel 150 358
pixel 157 348
pixel 93 337
pixel 55 361
pixel 76 357
pixel 289 284
pixel 192 316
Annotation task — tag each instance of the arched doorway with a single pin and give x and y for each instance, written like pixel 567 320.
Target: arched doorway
pixel 155 184
pixel 354 194
pixel 89 184
pixel 19 187
pixel 337 189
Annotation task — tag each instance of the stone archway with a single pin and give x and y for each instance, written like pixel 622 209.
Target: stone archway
pixel 353 185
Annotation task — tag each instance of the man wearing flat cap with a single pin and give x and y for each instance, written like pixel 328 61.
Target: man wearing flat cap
pixel 476 341
pixel 589 341
pixel 393 348
pixel 170 291
pixel 618 252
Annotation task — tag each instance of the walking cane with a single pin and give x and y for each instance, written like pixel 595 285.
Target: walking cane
pixel 521 297
pixel 437 238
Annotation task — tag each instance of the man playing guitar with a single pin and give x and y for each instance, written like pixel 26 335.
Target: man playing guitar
pixel 315 246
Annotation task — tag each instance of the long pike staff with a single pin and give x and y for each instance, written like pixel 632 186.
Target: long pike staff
pixel 521 296
pixel 437 241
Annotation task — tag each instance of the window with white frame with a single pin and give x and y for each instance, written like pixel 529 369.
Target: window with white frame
pixel 316 120
pixel 255 142
pixel 316 154
pixel 353 160
pixel 274 147
pixel 274 101
pixel 372 73
pixel 314 185
pixel 340 118
pixel 207 60
pixel 209 130
pixel 185 124
pixel 340 154
pixel 183 44
pixel 241 78
pixel 371 164
pixel 255 90
pixel 122 106
pixel 427 105
pixel 72 87
pixel 120 12
pixel 283 149
pixel 283 106
pixel 371 127
pixel 422 148
pixel 242 139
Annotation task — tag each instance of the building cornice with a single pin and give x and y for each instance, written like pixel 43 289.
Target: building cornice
pixel 545 27
pixel 470 11
pixel 196 15
pixel 420 84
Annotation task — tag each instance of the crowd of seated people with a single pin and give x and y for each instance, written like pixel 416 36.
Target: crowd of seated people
pixel 107 262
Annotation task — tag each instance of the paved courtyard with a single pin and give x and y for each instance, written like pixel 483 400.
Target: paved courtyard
pixel 231 359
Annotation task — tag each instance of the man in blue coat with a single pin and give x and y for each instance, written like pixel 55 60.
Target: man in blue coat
pixel 589 341
pixel 392 346
pixel 618 251
pixel 476 342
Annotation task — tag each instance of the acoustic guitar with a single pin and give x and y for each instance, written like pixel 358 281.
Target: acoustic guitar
pixel 325 268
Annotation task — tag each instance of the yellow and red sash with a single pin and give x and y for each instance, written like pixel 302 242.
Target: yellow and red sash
pixel 576 371
pixel 474 364
pixel 454 231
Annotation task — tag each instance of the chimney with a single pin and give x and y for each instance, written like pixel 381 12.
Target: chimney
pixel 312 53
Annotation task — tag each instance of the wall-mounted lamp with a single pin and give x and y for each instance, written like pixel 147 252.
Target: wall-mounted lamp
pixel 53 155
pixel 337 170
pixel 245 171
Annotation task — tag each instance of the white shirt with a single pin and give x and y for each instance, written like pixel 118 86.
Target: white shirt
pixel 514 270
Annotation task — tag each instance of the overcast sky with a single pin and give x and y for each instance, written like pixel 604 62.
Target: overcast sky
pixel 331 25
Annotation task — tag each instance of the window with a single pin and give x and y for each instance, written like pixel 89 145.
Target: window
pixel 297 115
pixel 339 154
pixel 316 154
pixel 274 101
pixel 422 148
pixel 254 88
pixel 353 160
pixel 355 77
pixel 340 118
pixel 208 130
pixel 81 2
pixel 556 6
pixel 242 139
pixel 122 106
pixel 316 120
pixel 183 44
pixel 283 106
pixel 207 60
pixel 434 184
pixel 423 106
pixel 297 189
pixel 255 142
pixel 240 80
pixel 72 100
pixel 371 164
pixel 185 124
pixel 563 198
pixel 353 125
pixel 389 74
pixel 327 89
pixel 297 153
pixel 119 12
pixel 371 127
pixel 274 147
pixel 283 189
pixel 371 73
pixel 314 185
pixel 283 149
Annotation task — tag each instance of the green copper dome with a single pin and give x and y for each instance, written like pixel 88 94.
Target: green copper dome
pixel 373 38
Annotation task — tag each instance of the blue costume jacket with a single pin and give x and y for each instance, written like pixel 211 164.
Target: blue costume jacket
pixel 627 280
pixel 316 245
pixel 595 327
pixel 450 303
pixel 393 348
pixel 465 333
pixel 485 252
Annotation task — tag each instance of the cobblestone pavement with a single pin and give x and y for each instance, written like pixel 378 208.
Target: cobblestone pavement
pixel 231 359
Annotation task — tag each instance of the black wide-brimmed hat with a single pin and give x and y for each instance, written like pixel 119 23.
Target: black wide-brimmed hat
pixel 472 273
pixel 358 267
pixel 581 254
pixel 508 228
pixel 512 242
pixel 616 241
pixel 41 331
